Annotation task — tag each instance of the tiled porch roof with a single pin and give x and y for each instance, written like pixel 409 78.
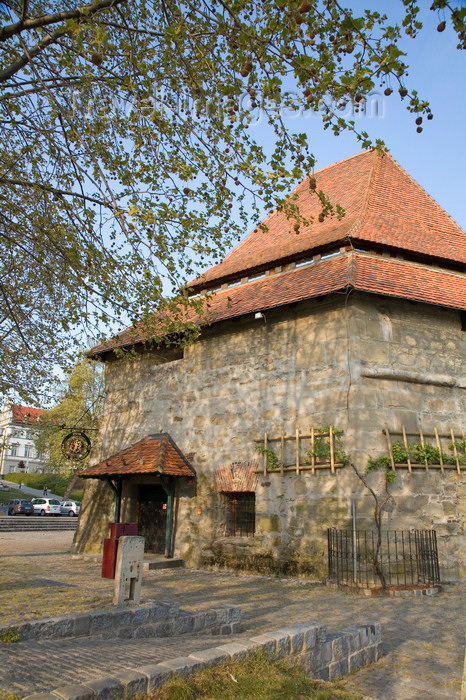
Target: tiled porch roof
pixel 155 453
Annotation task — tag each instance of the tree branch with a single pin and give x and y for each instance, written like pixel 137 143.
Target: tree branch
pixel 45 20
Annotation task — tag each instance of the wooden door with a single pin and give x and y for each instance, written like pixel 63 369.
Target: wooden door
pixel 152 517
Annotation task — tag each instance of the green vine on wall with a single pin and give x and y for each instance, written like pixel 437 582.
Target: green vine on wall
pixel 322 448
pixel 272 459
pixel 419 454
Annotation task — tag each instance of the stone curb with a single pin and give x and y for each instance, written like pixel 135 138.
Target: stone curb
pixel 161 619
pixel 318 655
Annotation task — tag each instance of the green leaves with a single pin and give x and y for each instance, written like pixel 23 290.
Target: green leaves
pixel 129 160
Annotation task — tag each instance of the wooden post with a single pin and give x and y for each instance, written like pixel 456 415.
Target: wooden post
pixel 332 450
pixel 439 447
pixel 405 443
pixel 297 450
pixel 313 458
pixel 455 452
pixel 389 445
pixel 266 461
pixel 421 435
pixel 282 452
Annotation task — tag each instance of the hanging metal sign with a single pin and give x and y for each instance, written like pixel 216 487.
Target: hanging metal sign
pixel 76 445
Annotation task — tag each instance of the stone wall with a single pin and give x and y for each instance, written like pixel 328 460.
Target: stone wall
pixel 357 363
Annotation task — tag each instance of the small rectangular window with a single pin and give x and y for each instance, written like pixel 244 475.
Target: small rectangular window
pixel 240 514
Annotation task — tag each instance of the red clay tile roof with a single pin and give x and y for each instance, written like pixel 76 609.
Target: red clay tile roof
pixel 24 414
pixel 155 453
pixel 352 270
pixel 384 207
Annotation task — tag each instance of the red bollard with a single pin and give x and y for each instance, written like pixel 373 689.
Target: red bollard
pixel 109 558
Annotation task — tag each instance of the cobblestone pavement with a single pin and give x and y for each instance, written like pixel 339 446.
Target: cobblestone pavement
pixel 423 637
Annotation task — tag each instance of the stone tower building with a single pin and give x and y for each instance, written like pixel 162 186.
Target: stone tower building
pixel 356 325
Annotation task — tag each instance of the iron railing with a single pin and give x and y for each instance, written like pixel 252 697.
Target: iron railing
pixel 406 558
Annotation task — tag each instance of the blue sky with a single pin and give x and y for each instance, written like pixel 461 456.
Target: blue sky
pixel 436 158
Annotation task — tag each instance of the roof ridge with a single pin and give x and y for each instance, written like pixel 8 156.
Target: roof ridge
pixel 375 171
pixel 275 212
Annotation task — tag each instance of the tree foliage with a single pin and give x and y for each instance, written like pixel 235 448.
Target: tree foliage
pixel 127 156
pixel 79 407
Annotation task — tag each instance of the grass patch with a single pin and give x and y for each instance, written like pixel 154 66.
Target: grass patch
pixel 10 493
pixel 252 679
pixel 10 636
pixel 56 483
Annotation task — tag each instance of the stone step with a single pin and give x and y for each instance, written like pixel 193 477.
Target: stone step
pixel 26 523
pixel 163 563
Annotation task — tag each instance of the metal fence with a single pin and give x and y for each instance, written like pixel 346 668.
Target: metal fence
pixel 406 558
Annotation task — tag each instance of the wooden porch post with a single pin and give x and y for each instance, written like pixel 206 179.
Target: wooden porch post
pixel 117 489
pixel 169 488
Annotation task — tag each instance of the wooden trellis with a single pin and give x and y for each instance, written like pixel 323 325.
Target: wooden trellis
pixel 451 459
pixel 305 442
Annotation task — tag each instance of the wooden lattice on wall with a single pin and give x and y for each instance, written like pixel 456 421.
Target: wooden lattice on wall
pixel 303 455
pixel 432 450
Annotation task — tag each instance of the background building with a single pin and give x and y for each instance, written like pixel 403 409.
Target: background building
pixel 18 426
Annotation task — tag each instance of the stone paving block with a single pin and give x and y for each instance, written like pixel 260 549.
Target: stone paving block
pixel 41 696
pixel 183 665
pixel 124 633
pixel 338 669
pixel 353 636
pixel 159 612
pixel 234 613
pixel 296 636
pixel 358 659
pixel 122 618
pixel 198 622
pixel 74 692
pixel 221 616
pixel 156 674
pixel 81 624
pixel 235 650
pixel 320 656
pixel 209 657
pixel 140 615
pixel 184 624
pixel 322 674
pixel 375 630
pixel 265 643
pixel 106 688
pixel 340 646
pixel 133 682
pixel 146 632
pixel 282 644
pixel 99 621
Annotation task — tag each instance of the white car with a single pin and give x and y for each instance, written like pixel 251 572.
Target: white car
pixel 70 508
pixel 46 506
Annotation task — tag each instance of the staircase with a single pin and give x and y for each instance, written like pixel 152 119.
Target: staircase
pixel 24 523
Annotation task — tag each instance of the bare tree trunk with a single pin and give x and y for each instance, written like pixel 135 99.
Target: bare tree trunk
pixel 378 514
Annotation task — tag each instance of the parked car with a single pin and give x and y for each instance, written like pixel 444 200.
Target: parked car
pixel 70 508
pixel 18 506
pixel 46 506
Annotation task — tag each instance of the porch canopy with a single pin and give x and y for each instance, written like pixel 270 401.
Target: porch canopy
pixel 154 455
